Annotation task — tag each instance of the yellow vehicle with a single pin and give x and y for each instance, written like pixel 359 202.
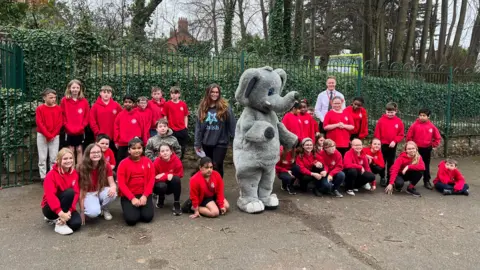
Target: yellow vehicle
pixel 343 63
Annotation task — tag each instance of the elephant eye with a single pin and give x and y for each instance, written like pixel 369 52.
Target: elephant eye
pixel 271 91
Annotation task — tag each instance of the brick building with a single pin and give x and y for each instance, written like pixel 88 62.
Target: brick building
pixel 180 36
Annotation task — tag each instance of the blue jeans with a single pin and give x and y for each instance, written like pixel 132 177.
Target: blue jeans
pixel 441 186
pixel 326 187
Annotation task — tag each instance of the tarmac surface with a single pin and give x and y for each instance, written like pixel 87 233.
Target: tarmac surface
pixel 368 231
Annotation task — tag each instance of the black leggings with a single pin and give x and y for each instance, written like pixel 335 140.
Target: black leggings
pixel 377 170
pixel 66 200
pixel 426 154
pixel 287 179
pixel 411 176
pixel 389 156
pixel 166 188
pixel 306 179
pixel 217 154
pixel 133 214
pixel 343 150
pixel 354 179
pixel 182 138
pixel 122 153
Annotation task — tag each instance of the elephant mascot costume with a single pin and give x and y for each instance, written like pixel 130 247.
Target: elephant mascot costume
pixel 259 134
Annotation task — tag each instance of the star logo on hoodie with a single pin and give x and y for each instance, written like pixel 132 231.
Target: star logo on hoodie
pixel 211 118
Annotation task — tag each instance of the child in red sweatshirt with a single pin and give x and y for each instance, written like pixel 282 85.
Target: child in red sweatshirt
pixel 338 124
pixel 146 113
pixel 156 106
pixel 292 122
pixel 75 109
pixel 309 125
pixel 333 165
pixel 375 158
pixel 450 180
pixel 136 176
pixel 104 141
pixel 177 113
pixel 128 125
pixel 356 169
pixel 308 169
pixel 168 177
pixel 60 194
pixel 390 131
pixel 360 118
pixel 283 169
pixel 408 167
pixel 48 117
pixel 425 134
pixel 103 115
pixel 206 192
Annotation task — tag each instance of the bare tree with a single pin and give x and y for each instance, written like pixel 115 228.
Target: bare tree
pixel 425 31
pixel 452 25
pixel 141 15
pixel 443 32
pixel 229 12
pixel 400 31
pixel 205 20
pixel 411 31
pixel 459 30
pixel 241 17
pixel 264 19
pixel 474 48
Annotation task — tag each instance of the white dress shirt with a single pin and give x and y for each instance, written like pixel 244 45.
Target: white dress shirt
pixel 323 100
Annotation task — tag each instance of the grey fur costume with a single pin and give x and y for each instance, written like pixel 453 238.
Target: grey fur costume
pixel 259 134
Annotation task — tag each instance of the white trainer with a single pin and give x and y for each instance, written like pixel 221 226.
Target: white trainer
pixel 107 215
pixel 63 229
pixel 350 192
pixel 367 186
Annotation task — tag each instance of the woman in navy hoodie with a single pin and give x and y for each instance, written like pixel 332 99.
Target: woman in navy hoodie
pixel 214 126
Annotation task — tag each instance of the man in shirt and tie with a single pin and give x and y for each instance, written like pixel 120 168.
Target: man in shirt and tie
pixel 324 101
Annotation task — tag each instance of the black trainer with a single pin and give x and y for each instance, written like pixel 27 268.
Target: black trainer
pixel 383 182
pixel 447 192
pixel 284 187
pixel 160 202
pixel 317 192
pixel 177 211
pixel 291 190
pixel 414 192
pixel 428 185
pixel 466 192
pixel 187 206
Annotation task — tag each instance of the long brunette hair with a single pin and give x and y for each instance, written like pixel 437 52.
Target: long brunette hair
pixel 86 168
pixel 221 104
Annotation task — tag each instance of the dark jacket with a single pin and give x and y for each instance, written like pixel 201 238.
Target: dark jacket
pixel 213 131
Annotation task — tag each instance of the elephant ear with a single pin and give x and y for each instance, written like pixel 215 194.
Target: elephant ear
pixel 247 84
pixel 283 76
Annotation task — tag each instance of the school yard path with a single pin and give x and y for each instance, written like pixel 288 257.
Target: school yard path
pixel 368 231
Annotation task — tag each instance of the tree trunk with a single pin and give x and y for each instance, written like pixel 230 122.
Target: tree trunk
pixel 241 17
pixel 411 32
pixel 367 33
pixel 287 26
pixel 382 39
pixel 215 28
pixel 276 29
pixel 443 32
pixel 140 16
pixel 426 27
pixel 298 29
pixel 312 31
pixel 264 20
pixel 450 30
pixel 229 12
pixel 459 30
pixel 474 47
pixel 400 31
pixel 432 27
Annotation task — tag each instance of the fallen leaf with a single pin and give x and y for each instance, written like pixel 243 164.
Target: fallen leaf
pixel 141 260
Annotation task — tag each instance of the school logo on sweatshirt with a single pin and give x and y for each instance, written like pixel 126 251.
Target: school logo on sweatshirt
pixel 430 130
pixel 107 159
pixel 361 162
pixel 299 121
pixel 360 115
pixel 306 122
pixel 346 118
pixel 114 111
pixel 396 125
pixel 134 121
pixel 212 185
pixel 73 182
pixel 181 108
pixel 80 111
pixel 333 162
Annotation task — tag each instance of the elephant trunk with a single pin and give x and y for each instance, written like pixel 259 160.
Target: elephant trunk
pixel 281 104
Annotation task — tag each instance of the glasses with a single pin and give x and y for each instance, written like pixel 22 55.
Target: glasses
pixel 96 152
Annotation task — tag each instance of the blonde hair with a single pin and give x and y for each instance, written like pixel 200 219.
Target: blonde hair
pixel 60 155
pixel 156 89
pixel 142 98
pixel 331 77
pixel 106 88
pixel 328 143
pixel 416 157
pixel 68 92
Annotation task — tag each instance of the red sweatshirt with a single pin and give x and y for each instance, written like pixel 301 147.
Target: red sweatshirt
pixel 340 136
pixel 147 116
pixel 102 117
pixel 306 162
pixel 94 178
pixel 352 160
pixel 157 110
pixel 284 164
pixel 135 177
pixel 57 181
pixel 293 123
pixel 401 162
pixel 309 126
pixel 128 125
pixel 173 166
pixel 377 158
pixel 75 115
pixel 110 157
pixel 424 134
pixel 200 188
pixel 49 120
pixel 389 129
pixel 450 177
pixel 333 163
pixel 360 121
pixel 175 113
